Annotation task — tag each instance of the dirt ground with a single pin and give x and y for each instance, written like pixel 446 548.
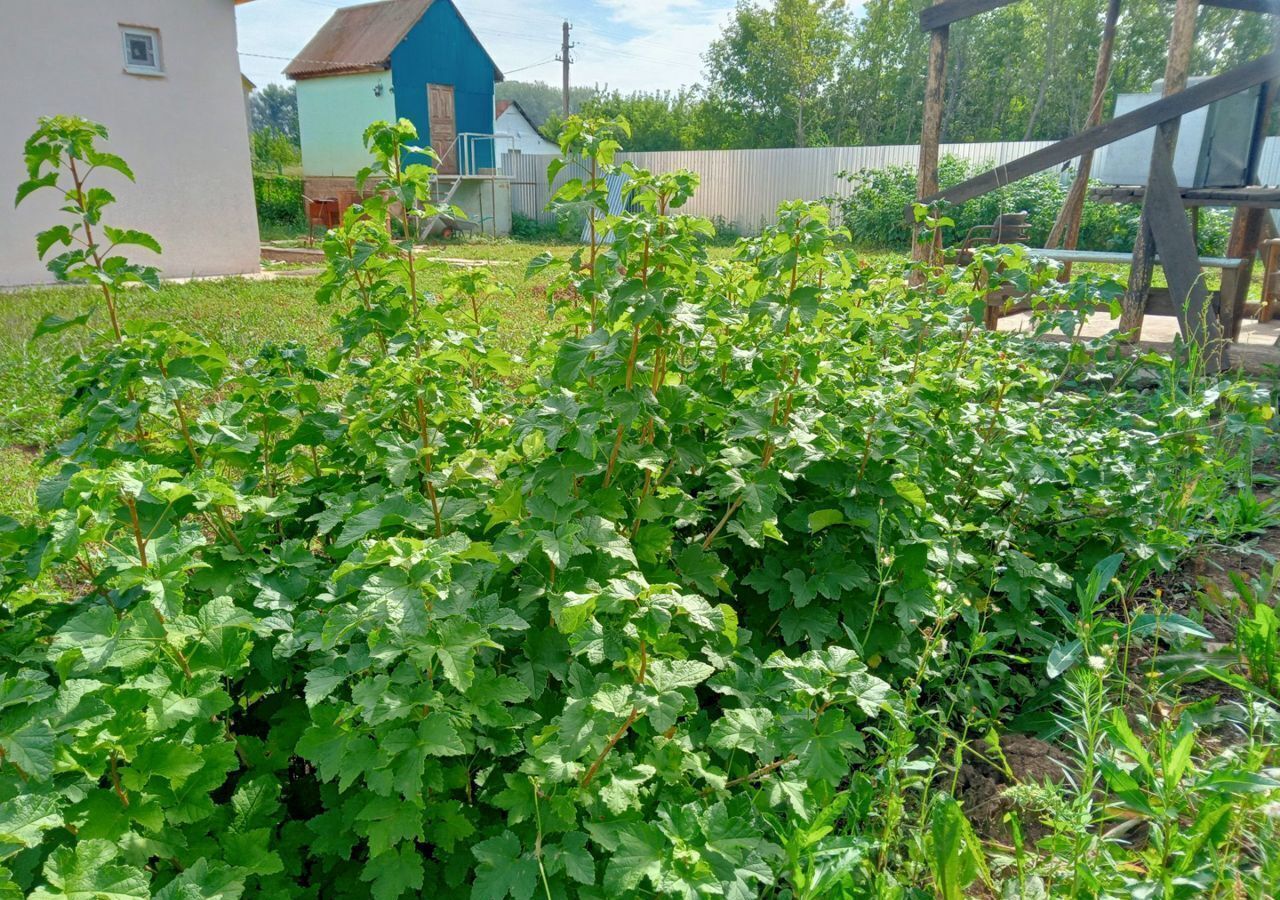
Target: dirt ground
pixel 983 782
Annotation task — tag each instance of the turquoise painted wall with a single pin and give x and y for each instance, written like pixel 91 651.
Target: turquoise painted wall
pixel 332 116
pixel 440 49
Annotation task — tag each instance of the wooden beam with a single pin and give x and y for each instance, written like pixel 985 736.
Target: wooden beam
pixel 1182 38
pixel 1270 7
pixel 1241 78
pixel 931 136
pixel 1066 228
pixel 948 11
pixel 944 13
pixel 1249 197
pixel 954 10
pixel 1246 235
pixel 1197 314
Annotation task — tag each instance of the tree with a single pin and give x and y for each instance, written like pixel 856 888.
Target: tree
pixel 275 107
pixel 774 66
pixel 661 120
pixel 543 101
pixel 880 92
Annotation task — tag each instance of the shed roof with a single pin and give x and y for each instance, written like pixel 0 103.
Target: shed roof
pixel 503 105
pixel 361 39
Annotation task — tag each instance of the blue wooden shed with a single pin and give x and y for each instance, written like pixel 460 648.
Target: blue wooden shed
pixel 410 59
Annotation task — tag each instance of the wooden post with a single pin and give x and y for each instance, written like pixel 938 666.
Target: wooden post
pixel 931 133
pixel 1067 227
pixel 1171 236
pixel 1248 227
pixel 1242 243
pixel 1181 41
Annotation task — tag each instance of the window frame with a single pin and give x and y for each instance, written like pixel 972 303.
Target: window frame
pixel 152 34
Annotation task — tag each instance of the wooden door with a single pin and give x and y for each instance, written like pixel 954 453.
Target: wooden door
pixel 444 126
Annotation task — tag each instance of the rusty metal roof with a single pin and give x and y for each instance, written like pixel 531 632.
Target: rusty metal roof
pixel 357 39
pixel 361 38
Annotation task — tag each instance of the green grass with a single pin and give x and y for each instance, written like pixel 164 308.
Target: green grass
pixel 19 474
pixel 239 314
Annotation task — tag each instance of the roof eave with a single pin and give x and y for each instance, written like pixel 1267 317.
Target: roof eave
pixel 337 71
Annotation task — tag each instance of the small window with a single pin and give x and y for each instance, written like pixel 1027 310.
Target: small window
pixel 141 51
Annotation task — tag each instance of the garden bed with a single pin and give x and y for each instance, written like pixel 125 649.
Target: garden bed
pixel 756 573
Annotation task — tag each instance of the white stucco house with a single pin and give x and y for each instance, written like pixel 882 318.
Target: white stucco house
pixel 164 77
pixel 511 119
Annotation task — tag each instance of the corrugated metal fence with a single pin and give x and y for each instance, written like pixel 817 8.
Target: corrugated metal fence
pixel 1269 164
pixel 744 187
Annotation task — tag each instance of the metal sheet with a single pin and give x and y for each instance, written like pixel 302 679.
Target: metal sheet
pixel 744 187
pixel 357 39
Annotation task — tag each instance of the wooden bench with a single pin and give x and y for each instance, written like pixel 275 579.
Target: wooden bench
pixel 1159 301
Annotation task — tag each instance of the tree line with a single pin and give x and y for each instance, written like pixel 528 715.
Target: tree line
pixel 811 73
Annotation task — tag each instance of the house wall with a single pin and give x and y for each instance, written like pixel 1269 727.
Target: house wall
pixel 524 137
pixel 183 133
pixel 333 114
pixel 440 49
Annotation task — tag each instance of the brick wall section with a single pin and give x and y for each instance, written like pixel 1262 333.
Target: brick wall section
pixel 317 187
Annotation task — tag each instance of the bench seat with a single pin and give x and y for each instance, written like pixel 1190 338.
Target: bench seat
pixel 1125 259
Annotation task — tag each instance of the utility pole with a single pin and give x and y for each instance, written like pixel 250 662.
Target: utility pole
pixel 565 59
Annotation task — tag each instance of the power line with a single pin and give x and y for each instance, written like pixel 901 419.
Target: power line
pixel 549 59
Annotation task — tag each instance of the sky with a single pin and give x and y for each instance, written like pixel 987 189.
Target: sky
pixel 623 44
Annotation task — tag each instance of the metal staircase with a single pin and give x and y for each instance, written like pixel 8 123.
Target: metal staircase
pixel 445 185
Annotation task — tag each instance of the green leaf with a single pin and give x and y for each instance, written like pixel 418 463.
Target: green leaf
pixel 27 188
pixel 1168 624
pixel 641 849
pixel 203 880
pixel 129 237
pixel 911 492
pixel 52 324
pixel 23 691
pixel 670 674
pixel 703 569
pixel 87 873
pixel 957 857
pixel 395 873
pixel 102 159
pixel 1237 782
pixel 502 871
pixel 389 821
pixel 24 820
pixel 1063 657
pixel 743 729
pixel 322 682
pixel 573 853
pixel 30 748
pixel 825 518
pixel 58 234
pixel 438 737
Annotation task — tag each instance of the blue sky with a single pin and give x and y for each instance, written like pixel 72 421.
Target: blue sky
pixel 626 44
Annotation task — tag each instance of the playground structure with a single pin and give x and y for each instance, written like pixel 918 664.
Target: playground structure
pixel 1210 319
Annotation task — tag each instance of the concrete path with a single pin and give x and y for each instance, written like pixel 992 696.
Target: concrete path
pixel 1257 352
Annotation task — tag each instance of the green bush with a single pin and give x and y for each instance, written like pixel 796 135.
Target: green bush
pixel 273 151
pixel 525 228
pixel 874 210
pixel 709 596
pixel 279 200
